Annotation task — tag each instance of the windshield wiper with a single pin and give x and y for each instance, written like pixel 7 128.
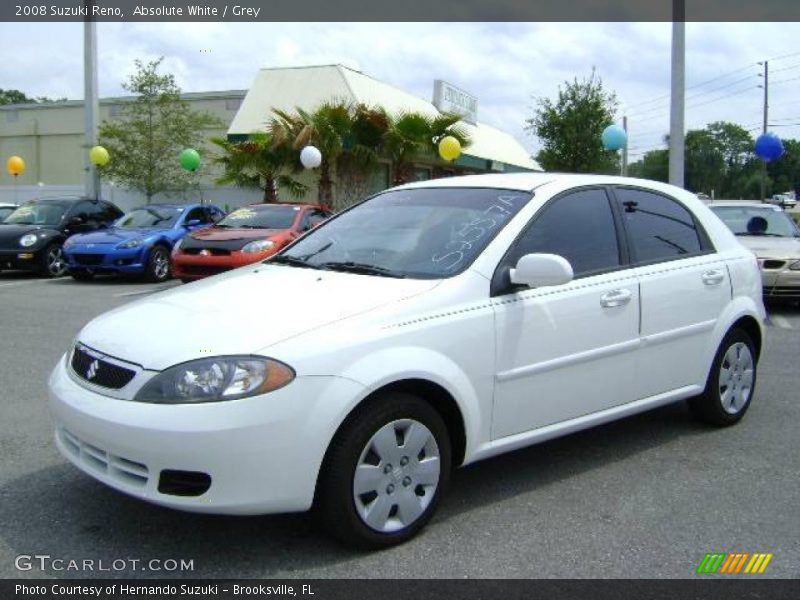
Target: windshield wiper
pixel 764 234
pixel 285 259
pixel 366 269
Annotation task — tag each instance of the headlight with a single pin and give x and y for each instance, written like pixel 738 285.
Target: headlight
pixel 130 244
pixel 795 266
pixel 216 379
pixel 27 240
pixel 257 246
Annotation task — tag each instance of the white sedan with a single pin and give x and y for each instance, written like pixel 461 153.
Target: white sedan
pixel 432 326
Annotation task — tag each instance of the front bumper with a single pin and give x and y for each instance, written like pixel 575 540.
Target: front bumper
pixel 196 266
pixel 781 283
pixel 262 454
pixel 24 259
pixel 84 260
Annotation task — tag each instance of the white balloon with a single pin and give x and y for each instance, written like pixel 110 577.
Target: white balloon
pixel 311 157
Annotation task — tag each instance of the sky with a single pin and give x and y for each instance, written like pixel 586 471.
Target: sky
pixel 506 65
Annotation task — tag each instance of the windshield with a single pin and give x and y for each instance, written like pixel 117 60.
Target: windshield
pixel 5 211
pixel 150 216
pixel 267 217
pixel 38 213
pixel 753 220
pixel 425 233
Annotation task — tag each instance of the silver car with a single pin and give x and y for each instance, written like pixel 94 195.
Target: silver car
pixel 773 237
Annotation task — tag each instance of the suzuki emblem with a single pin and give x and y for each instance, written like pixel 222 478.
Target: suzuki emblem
pixel 92 371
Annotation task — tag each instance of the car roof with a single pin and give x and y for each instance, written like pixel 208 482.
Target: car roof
pixel 263 205
pixel 743 204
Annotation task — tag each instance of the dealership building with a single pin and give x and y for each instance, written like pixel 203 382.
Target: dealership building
pixel 49 137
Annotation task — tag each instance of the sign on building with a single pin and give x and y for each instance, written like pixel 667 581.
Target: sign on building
pixel 449 98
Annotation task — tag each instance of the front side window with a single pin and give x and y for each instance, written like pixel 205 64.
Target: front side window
pixel 425 233
pixel 580 227
pixel 659 228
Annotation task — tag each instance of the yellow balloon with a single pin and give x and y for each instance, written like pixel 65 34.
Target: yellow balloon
pixel 449 148
pixel 15 166
pixel 99 156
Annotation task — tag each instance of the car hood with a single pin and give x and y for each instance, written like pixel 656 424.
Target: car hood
pixel 114 235
pixel 10 234
pixel 224 234
pixel 772 247
pixel 239 312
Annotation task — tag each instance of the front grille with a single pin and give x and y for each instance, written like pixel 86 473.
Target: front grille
pixel 88 259
pixel 208 251
pixel 774 264
pixel 100 372
pixel 96 459
pixel 782 292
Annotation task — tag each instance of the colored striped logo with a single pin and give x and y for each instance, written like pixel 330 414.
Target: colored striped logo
pixel 734 563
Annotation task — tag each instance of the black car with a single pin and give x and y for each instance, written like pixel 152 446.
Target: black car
pixel 31 237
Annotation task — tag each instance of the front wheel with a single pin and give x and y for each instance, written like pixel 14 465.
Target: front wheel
pixel 385 472
pixel 731 382
pixel 158 265
pixel 51 263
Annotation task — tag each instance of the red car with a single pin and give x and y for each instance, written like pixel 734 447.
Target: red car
pixel 247 235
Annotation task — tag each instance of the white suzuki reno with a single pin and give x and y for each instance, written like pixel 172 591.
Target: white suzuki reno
pixel 431 326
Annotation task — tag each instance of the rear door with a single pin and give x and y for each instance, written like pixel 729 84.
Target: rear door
pixel 684 288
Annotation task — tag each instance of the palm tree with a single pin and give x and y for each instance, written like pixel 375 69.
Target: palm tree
pixel 413 135
pixel 259 162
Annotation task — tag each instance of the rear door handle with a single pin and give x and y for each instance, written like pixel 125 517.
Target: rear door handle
pixel 713 277
pixel 615 298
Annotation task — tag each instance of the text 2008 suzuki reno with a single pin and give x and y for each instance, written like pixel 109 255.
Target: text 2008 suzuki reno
pixel 431 326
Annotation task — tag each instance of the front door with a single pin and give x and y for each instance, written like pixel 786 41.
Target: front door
pixel 570 350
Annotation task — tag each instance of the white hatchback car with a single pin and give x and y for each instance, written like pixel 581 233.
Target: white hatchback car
pixel 431 326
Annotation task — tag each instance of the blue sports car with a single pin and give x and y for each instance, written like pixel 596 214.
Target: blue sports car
pixel 139 242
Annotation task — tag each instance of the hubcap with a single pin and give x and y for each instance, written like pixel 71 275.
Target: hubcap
pixel 396 475
pixel 736 378
pixel 160 265
pixel 55 261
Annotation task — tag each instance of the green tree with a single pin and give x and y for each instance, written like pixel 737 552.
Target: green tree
pixel 155 127
pixel 704 162
pixel 570 128
pixel 17 97
pixel 653 165
pixel 785 172
pixel 259 163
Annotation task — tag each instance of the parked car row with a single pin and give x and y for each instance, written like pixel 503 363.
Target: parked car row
pixel 84 237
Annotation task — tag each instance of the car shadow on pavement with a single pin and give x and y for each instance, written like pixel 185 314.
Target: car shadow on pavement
pixel 62 513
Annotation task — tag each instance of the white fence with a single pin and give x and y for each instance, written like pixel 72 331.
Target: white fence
pixel 227 198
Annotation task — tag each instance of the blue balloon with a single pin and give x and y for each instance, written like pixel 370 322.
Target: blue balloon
pixel 769 146
pixel 614 137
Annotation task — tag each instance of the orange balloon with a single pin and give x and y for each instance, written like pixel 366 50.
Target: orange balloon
pixel 15 166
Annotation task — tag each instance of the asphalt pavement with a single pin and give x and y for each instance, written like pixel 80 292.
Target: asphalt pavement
pixel 647 496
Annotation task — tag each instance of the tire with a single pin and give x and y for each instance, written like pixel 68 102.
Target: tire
pixel 82 276
pixel 51 261
pixel 731 382
pixel 158 268
pixel 407 488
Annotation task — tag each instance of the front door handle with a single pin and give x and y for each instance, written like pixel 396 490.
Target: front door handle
pixel 616 298
pixel 713 277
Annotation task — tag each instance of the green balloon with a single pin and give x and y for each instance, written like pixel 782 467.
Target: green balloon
pixel 190 159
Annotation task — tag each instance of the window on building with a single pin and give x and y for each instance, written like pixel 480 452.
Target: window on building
pixel 115 110
pixel 580 227
pixel 660 228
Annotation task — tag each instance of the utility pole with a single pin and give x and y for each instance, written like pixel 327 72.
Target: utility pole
pixel 624 167
pixel 678 87
pixel 90 102
pixel 764 130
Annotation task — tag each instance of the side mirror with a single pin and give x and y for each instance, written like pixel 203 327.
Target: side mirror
pixel 76 220
pixel 192 223
pixel 540 270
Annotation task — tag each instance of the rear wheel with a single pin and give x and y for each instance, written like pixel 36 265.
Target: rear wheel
pixel 158 265
pixel 385 472
pixel 51 262
pixel 731 382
